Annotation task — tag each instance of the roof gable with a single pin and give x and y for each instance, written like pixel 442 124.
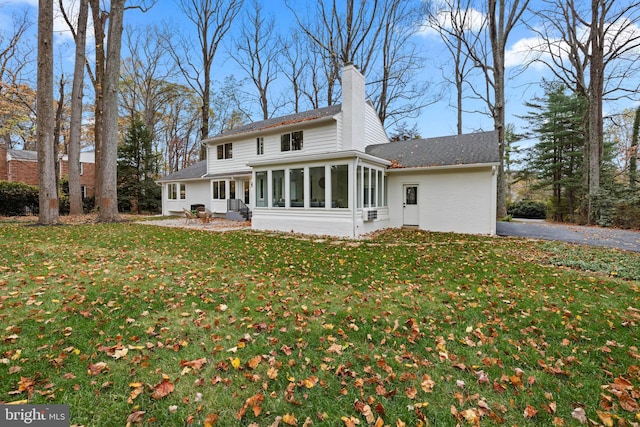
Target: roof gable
pixel 473 148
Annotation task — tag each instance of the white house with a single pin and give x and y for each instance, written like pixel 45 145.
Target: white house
pixel 333 171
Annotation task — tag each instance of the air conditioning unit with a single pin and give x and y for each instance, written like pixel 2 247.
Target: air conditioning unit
pixel 369 214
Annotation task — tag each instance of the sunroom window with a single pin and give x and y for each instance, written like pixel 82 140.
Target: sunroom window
pixel 317 182
pixel 340 186
pixel 261 189
pixel 277 186
pixel 296 188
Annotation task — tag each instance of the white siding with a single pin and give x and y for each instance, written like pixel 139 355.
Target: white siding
pixel 316 139
pixel 374 132
pixel 196 192
pixel 452 200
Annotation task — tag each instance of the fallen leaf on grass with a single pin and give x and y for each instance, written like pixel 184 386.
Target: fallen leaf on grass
pixel 162 389
pixel 96 368
pixel 530 412
pixel 580 415
pixel 138 388
pixel 211 420
pixel 606 418
pixel 195 364
pixel 252 402
pixel 135 417
pixel 289 420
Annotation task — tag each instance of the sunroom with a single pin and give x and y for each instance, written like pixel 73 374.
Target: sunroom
pixel 340 194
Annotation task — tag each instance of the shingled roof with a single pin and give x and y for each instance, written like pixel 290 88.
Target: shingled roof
pixel 195 171
pixel 305 116
pixel 473 148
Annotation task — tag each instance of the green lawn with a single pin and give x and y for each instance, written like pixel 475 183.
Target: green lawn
pixel 168 327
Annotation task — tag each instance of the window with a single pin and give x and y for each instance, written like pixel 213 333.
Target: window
pixel 372 187
pixel 172 191
pixel 291 141
pixel 261 189
pixel 317 186
pixel 296 188
pixel 340 186
pixel 81 169
pixel 225 151
pixel 219 190
pixel 83 191
pixel 277 179
pixel 359 186
pixel 183 191
pixel 259 146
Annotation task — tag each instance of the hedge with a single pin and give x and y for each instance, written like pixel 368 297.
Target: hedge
pixel 17 198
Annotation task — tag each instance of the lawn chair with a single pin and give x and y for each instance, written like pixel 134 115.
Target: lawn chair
pixel 188 216
pixel 205 215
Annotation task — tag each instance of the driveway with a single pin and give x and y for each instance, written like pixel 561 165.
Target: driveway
pixel 593 236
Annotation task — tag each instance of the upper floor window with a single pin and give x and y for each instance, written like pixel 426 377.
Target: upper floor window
pixel 259 146
pixel 225 151
pixel 81 168
pixel 291 141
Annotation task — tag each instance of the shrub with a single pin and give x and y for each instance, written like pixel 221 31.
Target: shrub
pixel 17 198
pixel 527 209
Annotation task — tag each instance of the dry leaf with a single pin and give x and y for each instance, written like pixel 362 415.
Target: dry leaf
pixel 162 389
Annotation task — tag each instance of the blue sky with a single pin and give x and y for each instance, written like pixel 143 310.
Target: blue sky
pixel 435 120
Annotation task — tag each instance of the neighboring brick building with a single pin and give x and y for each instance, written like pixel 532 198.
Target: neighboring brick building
pixel 22 166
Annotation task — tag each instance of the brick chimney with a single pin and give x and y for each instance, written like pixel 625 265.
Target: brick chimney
pixel 4 167
pixel 353 109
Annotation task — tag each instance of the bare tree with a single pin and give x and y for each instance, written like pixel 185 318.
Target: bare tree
pixel 79 33
pixel 109 154
pixel 17 99
pixel 342 34
pixel 400 93
pixel 501 18
pixel 458 26
pixel 593 50
pixel 258 52
pixel 293 65
pixel 212 19
pixel 99 18
pixel 47 185
pixel 146 74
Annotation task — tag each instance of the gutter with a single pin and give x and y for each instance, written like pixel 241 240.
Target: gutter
pixel 331 155
pixel 493 165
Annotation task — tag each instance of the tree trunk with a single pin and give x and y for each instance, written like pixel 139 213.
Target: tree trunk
pixel 56 133
pixel 498 40
pixel 47 186
pixel 596 88
pixel 633 154
pixel 75 127
pixel 109 156
pixel 99 20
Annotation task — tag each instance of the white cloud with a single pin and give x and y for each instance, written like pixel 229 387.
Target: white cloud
pixel 470 20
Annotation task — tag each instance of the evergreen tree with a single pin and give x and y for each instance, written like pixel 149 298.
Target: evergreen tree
pixel 557 159
pixel 137 168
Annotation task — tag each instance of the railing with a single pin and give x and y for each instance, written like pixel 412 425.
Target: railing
pixel 237 205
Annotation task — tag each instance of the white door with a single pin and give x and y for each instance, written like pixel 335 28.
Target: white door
pixel 410 205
